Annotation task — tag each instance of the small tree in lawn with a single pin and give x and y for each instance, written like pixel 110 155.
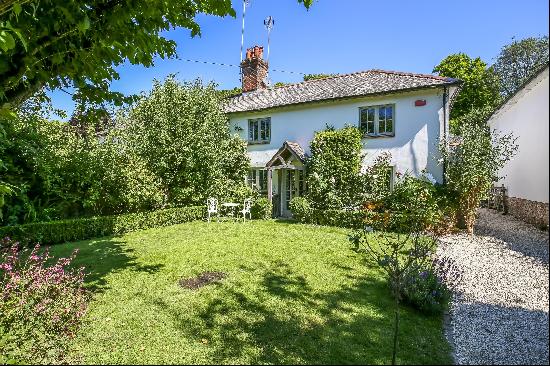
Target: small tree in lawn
pixel 474 159
pixel 396 244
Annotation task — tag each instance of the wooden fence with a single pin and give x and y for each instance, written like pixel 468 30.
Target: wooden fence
pixel 496 199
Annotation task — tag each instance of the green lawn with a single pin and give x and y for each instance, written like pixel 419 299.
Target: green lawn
pixel 294 294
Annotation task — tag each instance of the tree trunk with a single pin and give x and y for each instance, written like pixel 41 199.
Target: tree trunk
pixel 395 331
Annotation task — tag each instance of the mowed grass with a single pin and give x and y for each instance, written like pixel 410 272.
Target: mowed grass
pixel 293 294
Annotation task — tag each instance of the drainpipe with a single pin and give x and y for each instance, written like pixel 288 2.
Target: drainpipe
pixel 445 132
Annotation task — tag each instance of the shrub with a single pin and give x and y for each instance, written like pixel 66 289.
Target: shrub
pixel 41 304
pixel 301 209
pixel 474 160
pixel 333 170
pixel 427 287
pixel 86 228
pixel 262 209
pixel 377 179
pixel 413 205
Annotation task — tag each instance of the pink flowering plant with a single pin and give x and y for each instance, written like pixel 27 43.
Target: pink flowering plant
pixel 42 301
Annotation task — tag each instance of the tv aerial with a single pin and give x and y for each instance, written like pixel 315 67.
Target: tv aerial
pixel 268 23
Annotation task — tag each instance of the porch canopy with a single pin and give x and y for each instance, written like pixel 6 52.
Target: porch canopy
pixel 290 156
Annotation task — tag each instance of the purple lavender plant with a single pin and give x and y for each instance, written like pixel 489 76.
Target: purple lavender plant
pixel 42 301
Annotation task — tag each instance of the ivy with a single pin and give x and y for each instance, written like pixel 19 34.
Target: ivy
pixel 333 178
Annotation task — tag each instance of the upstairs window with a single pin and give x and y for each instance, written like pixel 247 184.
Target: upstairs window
pixel 259 130
pixel 377 120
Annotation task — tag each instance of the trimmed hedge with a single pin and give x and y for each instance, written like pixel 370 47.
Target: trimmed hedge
pixel 53 232
pixel 340 218
pixel 302 211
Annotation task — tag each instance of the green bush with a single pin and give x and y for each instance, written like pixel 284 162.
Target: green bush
pixel 413 205
pixel 261 208
pixel 86 228
pixel 333 170
pixel 425 286
pixel 300 208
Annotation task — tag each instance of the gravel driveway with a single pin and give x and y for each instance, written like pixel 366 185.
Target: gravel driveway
pixel 499 314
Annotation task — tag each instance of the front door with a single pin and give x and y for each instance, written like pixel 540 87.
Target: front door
pixel 288 190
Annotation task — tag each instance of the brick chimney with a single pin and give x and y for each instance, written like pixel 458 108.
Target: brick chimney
pixel 254 69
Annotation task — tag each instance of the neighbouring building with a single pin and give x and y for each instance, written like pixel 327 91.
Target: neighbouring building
pixel 525 114
pixel 402 113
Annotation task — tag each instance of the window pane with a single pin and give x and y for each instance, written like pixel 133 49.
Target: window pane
pixel 389 112
pixel 371 115
pixel 370 127
pixel 389 126
pixel 262 180
pixel 367 120
pixel 251 178
pixel 364 115
pixel 262 130
pixel 250 130
pixel 382 114
pixel 267 128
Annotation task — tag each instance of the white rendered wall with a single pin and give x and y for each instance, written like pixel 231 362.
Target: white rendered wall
pixel 414 147
pixel 526 175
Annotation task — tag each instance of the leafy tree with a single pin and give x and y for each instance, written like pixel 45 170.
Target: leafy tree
pixel 182 135
pixel 60 43
pixel 518 60
pixel 480 88
pixel 474 159
pixel 54 170
pixel 334 180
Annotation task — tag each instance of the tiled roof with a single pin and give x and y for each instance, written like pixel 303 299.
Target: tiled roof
pixel 297 149
pixel 336 87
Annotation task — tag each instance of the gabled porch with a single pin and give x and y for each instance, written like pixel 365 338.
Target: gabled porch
pixel 283 177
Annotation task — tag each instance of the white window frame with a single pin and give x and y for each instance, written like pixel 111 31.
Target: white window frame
pixel 377 132
pixel 255 136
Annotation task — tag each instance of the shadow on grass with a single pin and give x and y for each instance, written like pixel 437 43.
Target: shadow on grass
pixel 101 257
pixel 285 321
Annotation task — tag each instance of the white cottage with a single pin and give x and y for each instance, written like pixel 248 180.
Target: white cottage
pixel 525 114
pixel 402 113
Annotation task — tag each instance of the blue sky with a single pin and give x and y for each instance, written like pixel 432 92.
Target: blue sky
pixel 340 36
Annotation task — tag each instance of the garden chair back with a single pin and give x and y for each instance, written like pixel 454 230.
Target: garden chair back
pixel 246 208
pixel 212 207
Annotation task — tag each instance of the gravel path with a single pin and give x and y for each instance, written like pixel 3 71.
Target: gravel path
pixel 499 314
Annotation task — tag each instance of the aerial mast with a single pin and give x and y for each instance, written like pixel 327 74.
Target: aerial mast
pixel 268 23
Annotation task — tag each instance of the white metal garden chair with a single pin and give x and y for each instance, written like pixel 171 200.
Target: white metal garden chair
pixel 212 208
pixel 246 208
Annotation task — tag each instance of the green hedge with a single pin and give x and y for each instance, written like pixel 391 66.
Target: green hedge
pixel 340 218
pixel 92 227
pixel 302 211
